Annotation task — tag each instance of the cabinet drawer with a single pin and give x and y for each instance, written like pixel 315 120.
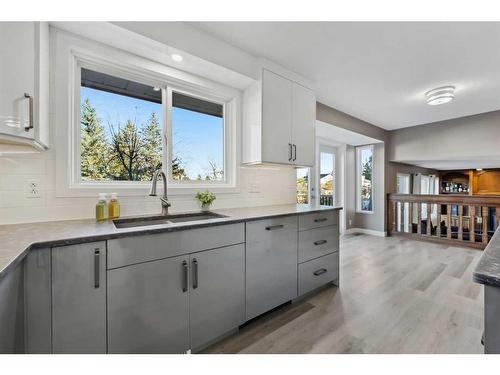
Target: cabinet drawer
pixel 131 250
pixel 318 272
pixel 318 242
pixel 318 220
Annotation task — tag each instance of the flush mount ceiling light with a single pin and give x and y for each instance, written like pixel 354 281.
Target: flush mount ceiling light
pixel 156 88
pixel 176 57
pixel 440 95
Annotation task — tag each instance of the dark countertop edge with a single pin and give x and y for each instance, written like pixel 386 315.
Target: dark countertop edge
pixel 491 255
pixel 104 237
pixel 486 279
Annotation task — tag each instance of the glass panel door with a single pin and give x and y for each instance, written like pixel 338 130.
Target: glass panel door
pixel 327 178
pixel 303 185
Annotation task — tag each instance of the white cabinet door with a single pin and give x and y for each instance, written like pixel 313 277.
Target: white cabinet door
pixel 17 76
pixel 303 125
pixel 276 118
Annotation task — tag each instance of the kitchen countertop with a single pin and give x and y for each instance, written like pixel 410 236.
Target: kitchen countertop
pixel 487 271
pixel 17 239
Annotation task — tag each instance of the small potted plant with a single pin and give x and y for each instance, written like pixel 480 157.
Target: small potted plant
pixel 205 199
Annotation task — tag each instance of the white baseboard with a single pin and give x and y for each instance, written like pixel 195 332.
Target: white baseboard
pixel 371 232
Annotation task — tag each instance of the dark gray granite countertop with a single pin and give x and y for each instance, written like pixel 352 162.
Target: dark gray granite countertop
pixel 487 271
pixel 17 239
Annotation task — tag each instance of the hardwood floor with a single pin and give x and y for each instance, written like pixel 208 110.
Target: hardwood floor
pixel 396 296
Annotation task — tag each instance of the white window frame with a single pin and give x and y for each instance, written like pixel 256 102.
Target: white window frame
pixel 358 178
pixel 74 53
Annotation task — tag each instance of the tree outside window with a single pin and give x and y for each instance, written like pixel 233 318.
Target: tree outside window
pixel 121 132
pixel 365 178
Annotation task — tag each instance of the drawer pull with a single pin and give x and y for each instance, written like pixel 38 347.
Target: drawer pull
pixel 320 219
pixel 195 273
pixel 274 227
pixel 320 272
pixel 97 268
pixel 184 276
pixel 320 242
pixel 30 112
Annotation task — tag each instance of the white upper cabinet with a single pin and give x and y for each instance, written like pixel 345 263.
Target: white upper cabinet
pixel 276 118
pixel 278 122
pixel 24 78
pixel 303 125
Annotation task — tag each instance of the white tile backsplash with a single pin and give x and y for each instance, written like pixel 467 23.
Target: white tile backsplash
pixel 275 185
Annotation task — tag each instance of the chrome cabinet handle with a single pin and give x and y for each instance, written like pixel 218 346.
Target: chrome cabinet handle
pixel 320 271
pixel 30 112
pixel 184 276
pixel 97 263
pixel 274 227
pixel 195 273
pixel 290 152
pixel 294 152
pixel 320 242
pixel 320 220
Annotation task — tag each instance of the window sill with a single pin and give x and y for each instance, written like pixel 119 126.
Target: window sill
pixel 140 189
pixel 364 212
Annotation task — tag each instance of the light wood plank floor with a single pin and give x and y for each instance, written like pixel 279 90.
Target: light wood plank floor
pixel 395 296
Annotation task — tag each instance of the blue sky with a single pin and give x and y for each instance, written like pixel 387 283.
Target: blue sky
pixel 326 163
pixel 197 138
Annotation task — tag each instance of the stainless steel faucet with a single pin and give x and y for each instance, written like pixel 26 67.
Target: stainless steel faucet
pixel 165 204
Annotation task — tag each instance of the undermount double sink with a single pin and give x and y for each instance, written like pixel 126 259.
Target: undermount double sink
pixel 165 219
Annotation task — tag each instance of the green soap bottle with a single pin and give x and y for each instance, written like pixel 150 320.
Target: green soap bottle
pixel 101 208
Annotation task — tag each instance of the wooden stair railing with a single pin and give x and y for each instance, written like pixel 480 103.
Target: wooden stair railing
pixel 453 219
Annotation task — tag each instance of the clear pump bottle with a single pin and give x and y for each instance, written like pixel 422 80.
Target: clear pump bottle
pixel 114 207
pixel 100 208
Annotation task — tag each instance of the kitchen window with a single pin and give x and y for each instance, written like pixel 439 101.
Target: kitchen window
pixel 122 132
pixel 364 172
pixel 197 139
pixel 120 128
pixel 128 121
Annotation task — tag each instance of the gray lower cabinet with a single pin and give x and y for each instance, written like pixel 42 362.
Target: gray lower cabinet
pixel 79 298
pixel 174 304
pixel 217 295
pixel 271 264
pixel 318 272
pixel 11 312
pixel 148 307
pixel 37 305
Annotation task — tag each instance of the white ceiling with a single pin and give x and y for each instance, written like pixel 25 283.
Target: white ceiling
pixel 339 136
pixel 379 71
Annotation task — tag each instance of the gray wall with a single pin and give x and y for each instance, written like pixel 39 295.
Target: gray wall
pixel 460 139
pixel 375 221
pixel 343 120
pixel 12 311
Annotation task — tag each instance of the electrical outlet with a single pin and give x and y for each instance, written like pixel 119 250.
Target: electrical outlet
pixel 33 189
